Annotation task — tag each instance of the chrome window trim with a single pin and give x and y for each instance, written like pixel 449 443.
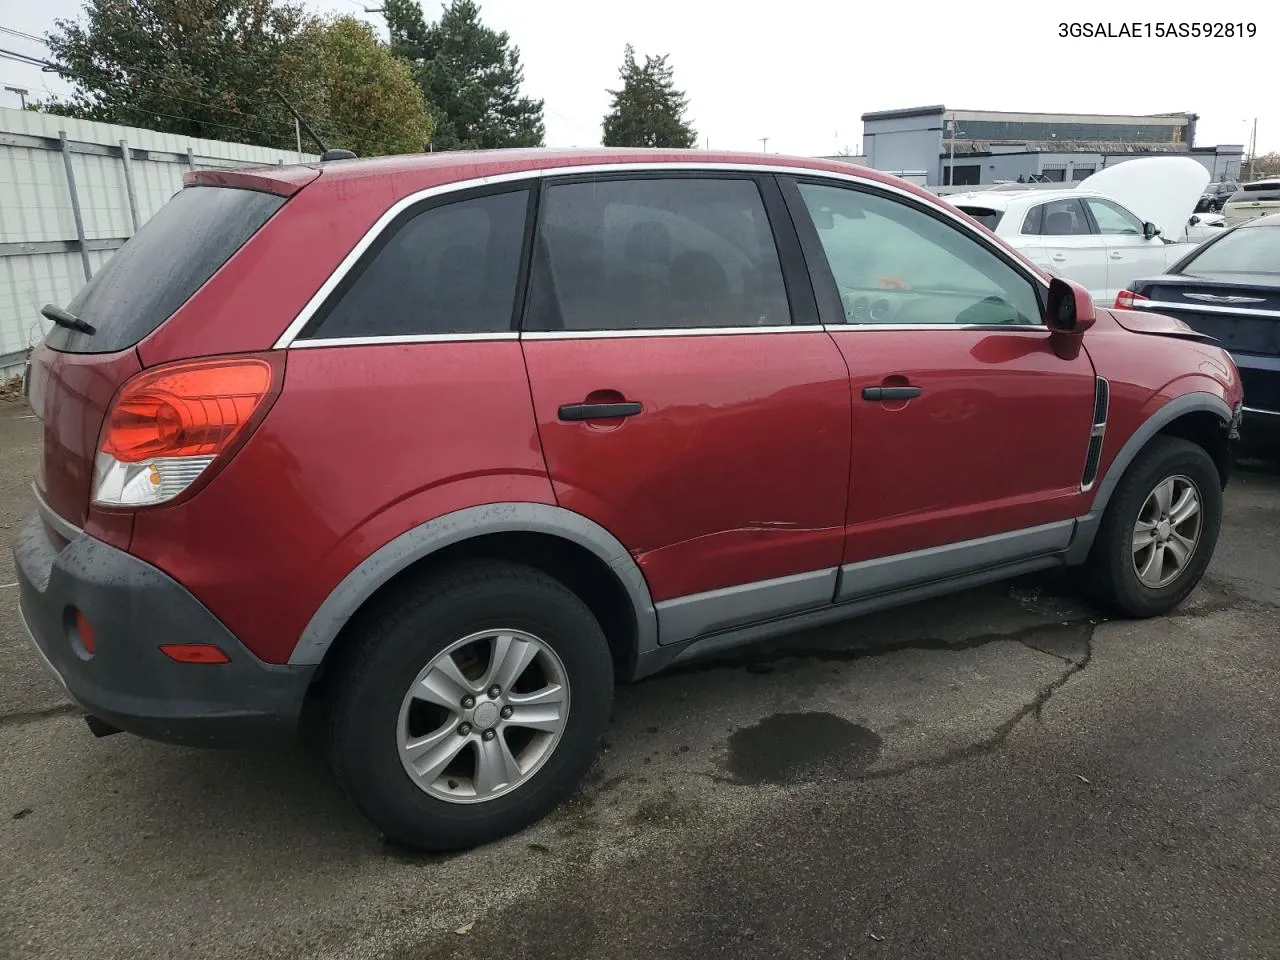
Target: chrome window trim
pixel 1202 308
pixel 666 332
pixel 1265 413
pixel 409 338
pixel 904 327
pixel 287 338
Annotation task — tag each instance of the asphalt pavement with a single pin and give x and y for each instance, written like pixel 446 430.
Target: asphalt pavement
pixel 1000 774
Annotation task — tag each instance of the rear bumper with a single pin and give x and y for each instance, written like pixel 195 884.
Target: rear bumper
pixel 1260 376
pixel 127 682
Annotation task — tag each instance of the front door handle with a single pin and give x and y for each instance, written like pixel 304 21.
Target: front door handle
pixel 1117 256
pixel 1059 258
pixel 890 393
pixel 598 411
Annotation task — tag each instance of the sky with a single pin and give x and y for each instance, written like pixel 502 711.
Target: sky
pixel 802 73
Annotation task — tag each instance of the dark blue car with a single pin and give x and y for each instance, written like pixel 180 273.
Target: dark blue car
pixel 1229 288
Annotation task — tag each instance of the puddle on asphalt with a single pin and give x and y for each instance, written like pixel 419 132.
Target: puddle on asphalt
pixel 794 747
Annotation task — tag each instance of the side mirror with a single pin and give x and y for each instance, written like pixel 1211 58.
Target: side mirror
pixel 1150 230
pixel 1068 314
pixel 1193 221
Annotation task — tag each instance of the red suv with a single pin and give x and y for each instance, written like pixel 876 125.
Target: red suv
pixel 446 444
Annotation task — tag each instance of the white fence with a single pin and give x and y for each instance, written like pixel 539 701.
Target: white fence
pixel 71 192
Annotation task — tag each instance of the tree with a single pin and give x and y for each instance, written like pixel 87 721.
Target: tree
pixel 648 111
pixel 1264 165
pixel 471 76
pixel 181 66
pixel 210 68
pixel 369 101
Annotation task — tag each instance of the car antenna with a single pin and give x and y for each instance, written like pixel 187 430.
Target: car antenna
pixel 325 152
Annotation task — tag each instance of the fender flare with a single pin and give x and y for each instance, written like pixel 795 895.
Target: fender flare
pixel 427 538
pixel 1087 525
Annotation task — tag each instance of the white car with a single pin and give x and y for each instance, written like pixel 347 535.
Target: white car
pixel 1121 223
pixel 1257 199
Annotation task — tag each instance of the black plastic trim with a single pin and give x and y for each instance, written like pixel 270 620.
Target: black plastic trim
pixel 890 393
pixel 598 411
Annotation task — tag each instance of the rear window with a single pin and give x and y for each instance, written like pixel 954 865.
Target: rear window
pixel 984 215
pixel 1262 190
pixel 1245 255
pixel 162 265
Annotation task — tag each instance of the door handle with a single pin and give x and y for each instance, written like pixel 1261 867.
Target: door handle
pixel 890 393
pixel 1058 258
pixel 1117 256
pixel 598 411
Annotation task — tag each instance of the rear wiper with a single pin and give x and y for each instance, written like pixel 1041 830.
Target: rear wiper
pixel 63 319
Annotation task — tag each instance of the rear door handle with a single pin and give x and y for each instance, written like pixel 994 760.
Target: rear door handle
pixel 1117 256
pixel 1058 258
pixel 890 393
pixel 598 411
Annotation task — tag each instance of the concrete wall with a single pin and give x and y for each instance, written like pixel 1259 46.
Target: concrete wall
pixel 52 166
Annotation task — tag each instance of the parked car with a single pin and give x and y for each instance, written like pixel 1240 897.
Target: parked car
pixel 1205 226
pixel 1257 199
pixel 437 447
pixel 1121 223
pixel 1216 195
pixel 1230 289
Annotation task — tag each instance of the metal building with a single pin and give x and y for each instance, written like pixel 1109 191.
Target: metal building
pixel 972 147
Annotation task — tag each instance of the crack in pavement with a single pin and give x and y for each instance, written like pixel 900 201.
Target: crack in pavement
pixel 1032 708
pixel 35 716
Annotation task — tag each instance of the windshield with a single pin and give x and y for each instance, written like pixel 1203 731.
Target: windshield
pixel 1247 255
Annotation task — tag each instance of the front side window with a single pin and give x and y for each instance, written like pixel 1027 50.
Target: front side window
pixel 1113 219
pixel 451 269
pixel 1057 218
pixel 894 263
pixel 655 253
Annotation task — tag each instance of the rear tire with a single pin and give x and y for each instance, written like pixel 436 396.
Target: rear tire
pixel 501 775
pixel 1159 530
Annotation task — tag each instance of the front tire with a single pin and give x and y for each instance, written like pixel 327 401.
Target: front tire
pixel 1159 530
pixel 473 707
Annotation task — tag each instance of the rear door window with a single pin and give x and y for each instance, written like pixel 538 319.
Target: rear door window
pixel 655 254
pixel 452 268
pixel 160 267
pixel 1057 218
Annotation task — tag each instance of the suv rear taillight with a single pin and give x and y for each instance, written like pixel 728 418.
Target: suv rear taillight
pixel 1126 299
pixel 167 426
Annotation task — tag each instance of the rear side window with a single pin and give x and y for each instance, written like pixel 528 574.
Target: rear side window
pixel 449 269
pixel 653 254
pixel 160 267
pixel 984 215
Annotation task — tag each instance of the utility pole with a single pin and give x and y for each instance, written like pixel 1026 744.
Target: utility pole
pixel 951 168
pixel 1253 146
pixel 764 144
pixel 22 94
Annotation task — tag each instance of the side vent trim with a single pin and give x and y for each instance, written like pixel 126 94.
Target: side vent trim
pixel 1093 455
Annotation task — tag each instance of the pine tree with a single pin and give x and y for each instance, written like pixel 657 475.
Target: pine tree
pixel 470 74
pixel 648 111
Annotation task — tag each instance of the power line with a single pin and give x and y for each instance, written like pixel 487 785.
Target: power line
pixel 24 36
